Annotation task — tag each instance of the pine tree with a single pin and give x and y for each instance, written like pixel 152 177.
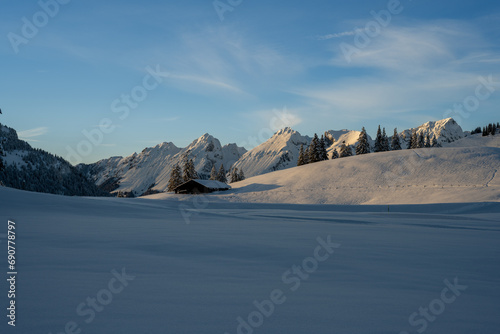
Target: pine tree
pixel 302 160
pixel 221 175
pixel 234 175
pixel 189 171
pixel 378 147
pixel 323 154
pixel 485 132
pixel 213 173
pixel 427 141
pixel 413 144
pixel 175 178
pixel 395 143
pixel 490 129
pixel 2 166
pixel 314 150
pixel 306 156
pixel 494 129
pixel 385 141
pixel 421 141
pixel 363 147
pixel 435 142
pixel 335 154
pixel 345 150
pixel 241 176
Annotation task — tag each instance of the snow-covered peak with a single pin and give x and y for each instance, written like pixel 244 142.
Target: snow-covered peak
pixel 445 131
pixel 284 131
pixel 150 169
pixel 278 152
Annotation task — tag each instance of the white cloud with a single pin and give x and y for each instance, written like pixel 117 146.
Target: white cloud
pixel 207 82
pixel 337 35
pixel 276 119
pixel 418 68
pixel 29 134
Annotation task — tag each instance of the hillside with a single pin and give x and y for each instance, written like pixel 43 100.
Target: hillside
pixel 464 173
pixel 33 169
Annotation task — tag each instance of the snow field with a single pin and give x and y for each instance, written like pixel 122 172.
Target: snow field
pixel 202 276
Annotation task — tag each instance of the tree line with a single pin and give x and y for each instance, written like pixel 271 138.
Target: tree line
pixel 487 130
pixel 317 151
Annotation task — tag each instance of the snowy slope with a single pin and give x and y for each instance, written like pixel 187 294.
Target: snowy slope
pixel 281 151
pixel 151 168
pixel 431 175
pixel 203 276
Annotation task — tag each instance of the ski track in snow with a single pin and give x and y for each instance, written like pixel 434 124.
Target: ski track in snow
pixel 492 178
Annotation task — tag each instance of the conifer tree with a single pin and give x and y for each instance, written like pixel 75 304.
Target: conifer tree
pixel 395 143
pixel 241 176
pixel 435 142
pixel 175 178
pixel 2 166
pixel 345 150
pixel 323 154
pixel 363 147
pixel 234 175
pixel 221 175
pixel 213 173
pixel 306 155
pixel 335 154
pixel 427 141
pixel 189 171
pixel 302 160
pixel 413 144
pixel 314 154
pixel 378 146
pixel 420 142
pixel 385 141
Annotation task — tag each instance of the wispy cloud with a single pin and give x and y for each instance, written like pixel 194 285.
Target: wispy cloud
pixel 208 82
pixel 338 35
pixel 28 135
pixel 407 69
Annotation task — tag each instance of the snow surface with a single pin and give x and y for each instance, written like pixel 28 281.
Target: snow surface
pixel 200 277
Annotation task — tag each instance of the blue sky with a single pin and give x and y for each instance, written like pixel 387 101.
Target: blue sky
pixel 263 66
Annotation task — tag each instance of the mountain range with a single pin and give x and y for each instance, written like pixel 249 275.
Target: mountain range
pixel 149 171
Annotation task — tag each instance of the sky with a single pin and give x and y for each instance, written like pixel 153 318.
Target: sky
pixel 87 80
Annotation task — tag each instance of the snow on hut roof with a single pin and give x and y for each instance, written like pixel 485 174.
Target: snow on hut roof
pixel 212 184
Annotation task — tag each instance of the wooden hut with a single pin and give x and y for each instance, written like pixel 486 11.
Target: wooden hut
pixel 198 186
